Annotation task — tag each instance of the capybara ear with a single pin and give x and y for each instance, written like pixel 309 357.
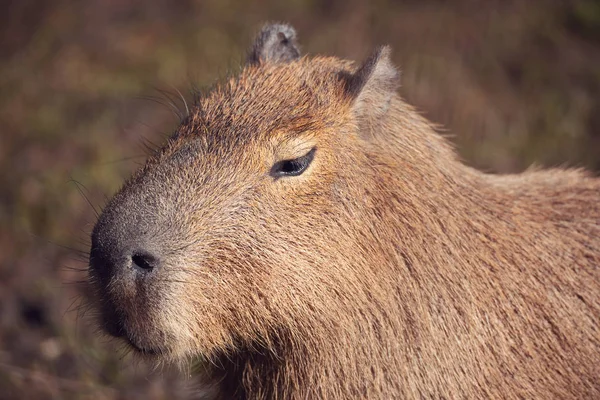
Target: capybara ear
pixel 274 43
pixel 373 84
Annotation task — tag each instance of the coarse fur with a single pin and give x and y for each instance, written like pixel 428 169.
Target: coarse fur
pixel 388 269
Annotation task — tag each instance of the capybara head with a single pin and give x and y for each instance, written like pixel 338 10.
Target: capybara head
pixel 254 214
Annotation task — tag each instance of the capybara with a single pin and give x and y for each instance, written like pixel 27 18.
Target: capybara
pixel 306 234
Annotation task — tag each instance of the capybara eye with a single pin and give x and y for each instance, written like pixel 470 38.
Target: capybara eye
pixel 293 167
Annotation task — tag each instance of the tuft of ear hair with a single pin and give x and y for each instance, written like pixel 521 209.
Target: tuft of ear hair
pixel 373 85
pixel 274 43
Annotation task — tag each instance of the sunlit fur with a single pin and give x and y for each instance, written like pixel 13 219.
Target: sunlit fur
pixel 388 269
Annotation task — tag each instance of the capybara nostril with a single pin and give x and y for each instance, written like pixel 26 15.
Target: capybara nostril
pixel 143 262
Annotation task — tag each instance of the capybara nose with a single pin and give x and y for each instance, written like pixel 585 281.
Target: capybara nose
pixel 121 261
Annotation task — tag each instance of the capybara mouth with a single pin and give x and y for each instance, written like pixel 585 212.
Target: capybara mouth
pixel 114 328
pixel 147 351
pixel 142 350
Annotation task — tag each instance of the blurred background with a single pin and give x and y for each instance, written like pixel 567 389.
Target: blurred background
pixel 515 84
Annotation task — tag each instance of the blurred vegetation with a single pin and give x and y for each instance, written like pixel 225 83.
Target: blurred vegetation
pixel 514 83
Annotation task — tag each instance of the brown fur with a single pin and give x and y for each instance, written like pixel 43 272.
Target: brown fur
pixel 388 269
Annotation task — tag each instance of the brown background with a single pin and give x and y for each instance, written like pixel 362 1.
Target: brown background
pixel 515 84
